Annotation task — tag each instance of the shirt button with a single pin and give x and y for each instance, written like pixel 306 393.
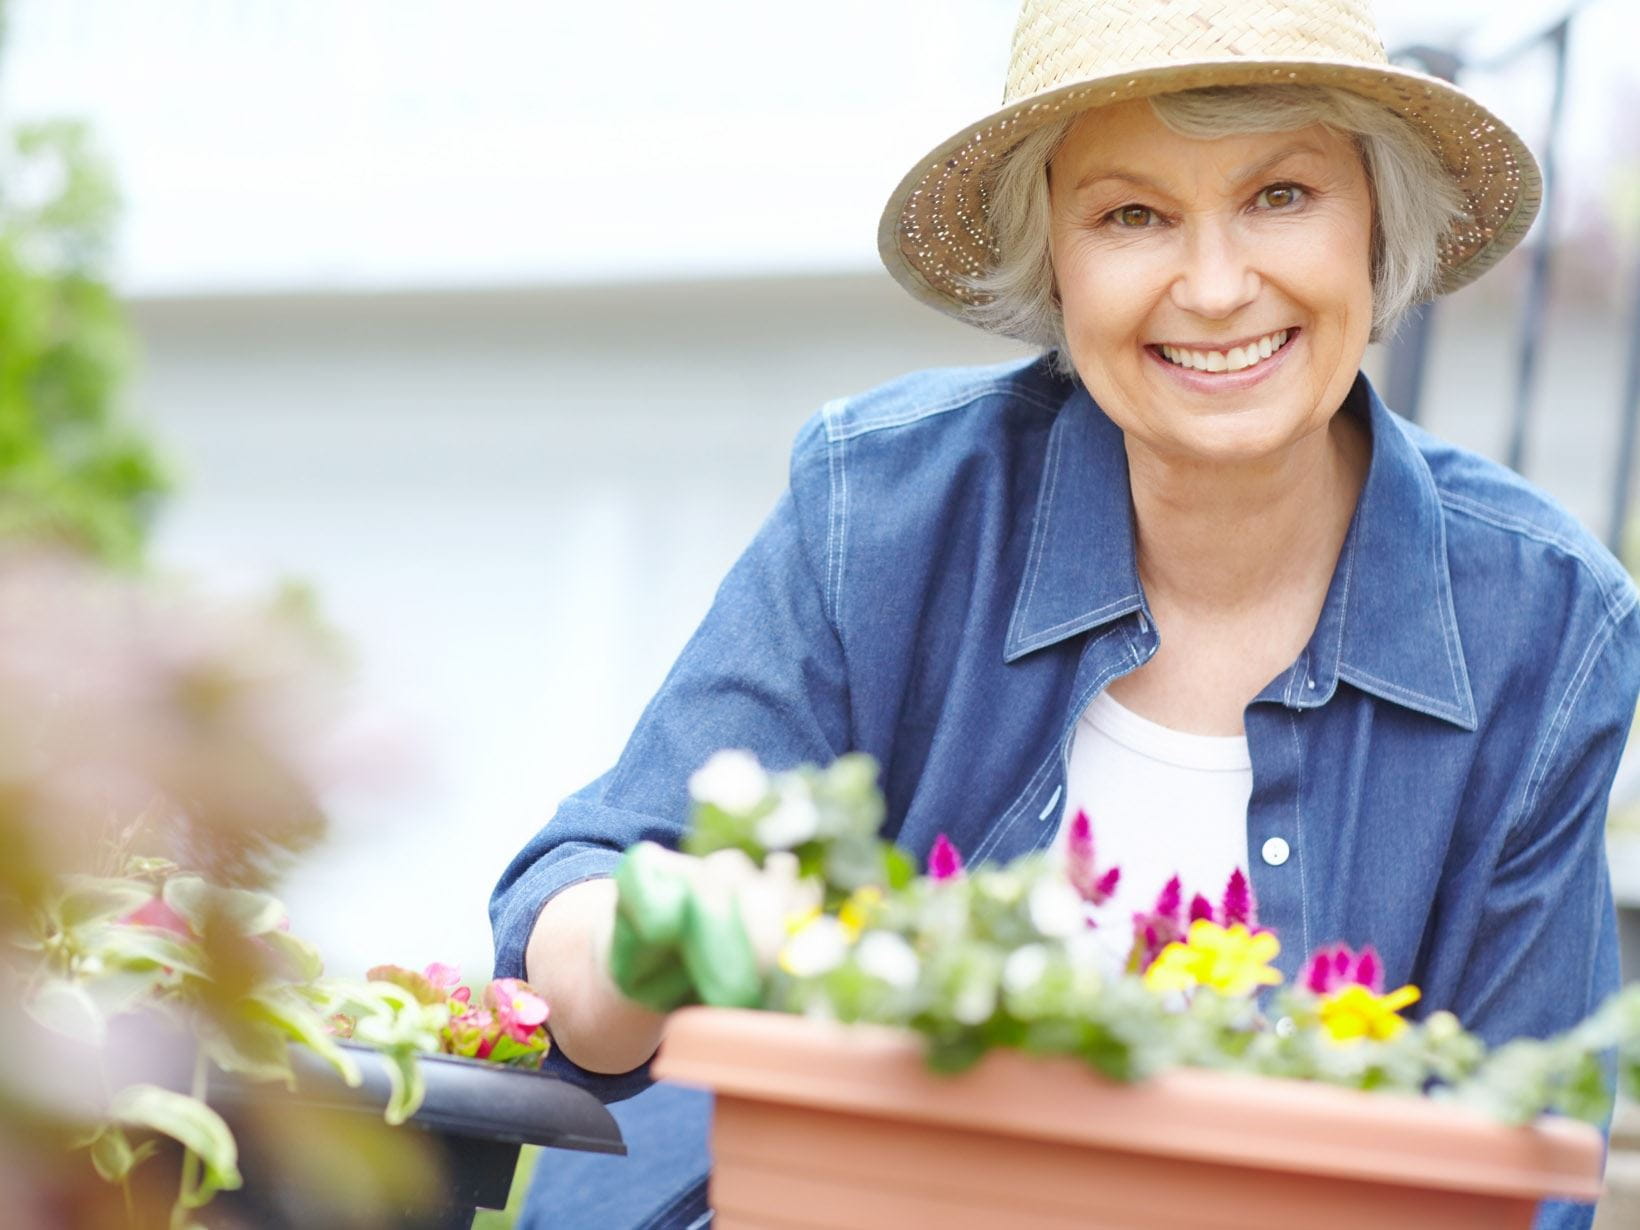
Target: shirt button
pixel 1275 851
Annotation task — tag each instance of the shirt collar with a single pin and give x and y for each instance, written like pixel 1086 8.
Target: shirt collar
pixel 1387 626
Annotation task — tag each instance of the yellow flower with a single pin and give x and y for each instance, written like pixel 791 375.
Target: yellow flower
pixel 1354 1012
pixel 858 909
pixel 795 922
pixel 1231 960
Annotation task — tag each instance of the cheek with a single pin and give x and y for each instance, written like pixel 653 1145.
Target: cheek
pixel 1104 298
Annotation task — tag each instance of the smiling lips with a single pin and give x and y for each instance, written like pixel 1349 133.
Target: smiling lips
pixel 1235 359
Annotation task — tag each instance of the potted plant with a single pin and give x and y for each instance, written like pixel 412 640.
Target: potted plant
pixel 160 1025
pixel 1166 1080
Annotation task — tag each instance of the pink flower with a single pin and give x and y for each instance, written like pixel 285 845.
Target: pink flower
pixel 443 976
pixel 518 1009
pixel 1082 867
pixel 944 863
pixel 473 1033
pixel 1201 907
pixel 156 913
pixel 1339 966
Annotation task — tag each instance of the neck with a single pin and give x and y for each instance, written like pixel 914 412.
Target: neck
pixel 1227 540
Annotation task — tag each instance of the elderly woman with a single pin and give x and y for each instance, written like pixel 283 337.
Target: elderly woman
pixel 1184 570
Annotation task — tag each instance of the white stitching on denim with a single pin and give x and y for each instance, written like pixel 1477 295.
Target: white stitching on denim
pixel 842 532
pixel 1297 848
pixel 834 568
pixel 1344 606
pixel 1559 723
pixel 1434 705
pixel 1052 799
pixel 1449 621
pixel 1039 537
pixel 966 397
pixel 1617 604
pixel 1048 635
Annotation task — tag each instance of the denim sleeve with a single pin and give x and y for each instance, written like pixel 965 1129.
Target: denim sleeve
pixel 764 671
pixel 1546 953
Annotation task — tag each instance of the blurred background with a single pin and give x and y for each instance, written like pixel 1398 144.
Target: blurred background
pixel 493 322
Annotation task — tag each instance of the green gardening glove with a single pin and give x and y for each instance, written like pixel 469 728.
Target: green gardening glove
pixel 700 930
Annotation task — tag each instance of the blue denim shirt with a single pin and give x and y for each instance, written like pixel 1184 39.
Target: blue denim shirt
pixel 951 577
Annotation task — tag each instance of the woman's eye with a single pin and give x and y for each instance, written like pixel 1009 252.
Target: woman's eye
pixel 1280 196
pixel 1132 216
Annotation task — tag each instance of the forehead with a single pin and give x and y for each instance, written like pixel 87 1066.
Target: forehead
pixel 1129 140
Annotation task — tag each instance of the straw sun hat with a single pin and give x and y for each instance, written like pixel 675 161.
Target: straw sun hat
pixel 1070 55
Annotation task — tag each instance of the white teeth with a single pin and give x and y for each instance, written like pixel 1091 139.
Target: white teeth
pixel 1237 358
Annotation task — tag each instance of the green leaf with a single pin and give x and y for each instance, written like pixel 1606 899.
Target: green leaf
pixel 112 1155
pixel 417 984
pixel 148 948
pixel 301 960
pixel 89 899
pixel 288 1011
pixel 252 1048
pixel 407 1086
pixel 240 910
pixel 199 1128
pixel 68 1009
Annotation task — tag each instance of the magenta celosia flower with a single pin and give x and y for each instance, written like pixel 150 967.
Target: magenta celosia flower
pixel 1092 885
pixel 517 1008
pixel 1339 966
pixel 944 863
pixel 1201 907
pixel 1238 904
pixel 1155 930
pixel 1167 903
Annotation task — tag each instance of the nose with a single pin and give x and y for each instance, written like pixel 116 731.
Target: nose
pixel 1215 278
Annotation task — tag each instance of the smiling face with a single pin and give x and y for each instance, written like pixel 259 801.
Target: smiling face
pixel 1217 295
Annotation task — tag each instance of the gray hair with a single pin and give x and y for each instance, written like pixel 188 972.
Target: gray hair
pixel 1415 201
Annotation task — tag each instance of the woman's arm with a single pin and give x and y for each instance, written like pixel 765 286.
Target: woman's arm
pixel 763 672
pixel 596 1027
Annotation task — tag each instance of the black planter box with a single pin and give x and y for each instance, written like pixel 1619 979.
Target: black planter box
pixel 475 1118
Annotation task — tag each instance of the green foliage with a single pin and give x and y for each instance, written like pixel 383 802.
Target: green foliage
pixel 72 470
pixel 1004 957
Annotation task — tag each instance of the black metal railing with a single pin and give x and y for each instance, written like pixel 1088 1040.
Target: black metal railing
pixel 1409 349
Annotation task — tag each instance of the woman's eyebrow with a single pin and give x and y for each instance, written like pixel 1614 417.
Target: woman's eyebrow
pixel 1265 165
pixel 1240 175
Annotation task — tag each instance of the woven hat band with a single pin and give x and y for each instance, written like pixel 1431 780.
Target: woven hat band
pixel 1058 42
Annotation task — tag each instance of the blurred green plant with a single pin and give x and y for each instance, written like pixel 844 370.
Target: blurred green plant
pixel 73 470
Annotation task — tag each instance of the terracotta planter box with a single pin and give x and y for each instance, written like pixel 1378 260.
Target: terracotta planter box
pixel 824 1126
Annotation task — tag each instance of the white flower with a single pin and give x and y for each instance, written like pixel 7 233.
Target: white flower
pixel 793 821
pixel 887 957
pixel 1056 909
pixel 817 947
pixel 768 899
pixel 975 1000
pixel 730 780
pixel 1024 968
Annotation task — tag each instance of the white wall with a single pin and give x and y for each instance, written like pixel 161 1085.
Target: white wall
pixel 518 506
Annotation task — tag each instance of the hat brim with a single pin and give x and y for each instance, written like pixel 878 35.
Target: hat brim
pixel 934 234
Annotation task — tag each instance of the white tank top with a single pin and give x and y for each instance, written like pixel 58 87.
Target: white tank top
pixel 1162 803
